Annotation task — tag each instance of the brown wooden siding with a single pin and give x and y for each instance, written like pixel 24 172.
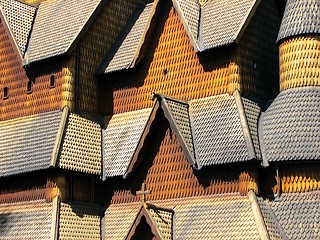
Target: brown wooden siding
pixel 96 44
pixel 166 171
pixel 172 67
pixel 42 98
pixel 258 53
pixel 299 62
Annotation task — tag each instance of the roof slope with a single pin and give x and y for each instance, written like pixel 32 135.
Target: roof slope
pixel 218 134
pixel 300 17
pixel 120 139
pixel 290 126
pixel 28 220
pixel 57 24
pixel 214 24
pixel 298 214
pixel 81 145
pixel 79 221
pixel 212 217
pixel 223 20
pixel 20 17
pixel 27 143
pixel 127 45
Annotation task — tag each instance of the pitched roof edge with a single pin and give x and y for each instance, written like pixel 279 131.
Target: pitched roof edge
pixel 89 21
pixel 55 218
pixel 193 41
pixel 246 21
pixel 261 141
pixel 59 137
pixel 174 126
pixel 143 212
pixel 141 141
pixel 144 34
pixel 244 124
pixel 11 35
pixel 258 217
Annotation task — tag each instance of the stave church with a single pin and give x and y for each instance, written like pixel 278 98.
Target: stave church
pixel 159 119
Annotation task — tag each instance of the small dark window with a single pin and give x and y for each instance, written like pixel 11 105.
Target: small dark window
pixel 29 87
pixel 254 65
pixel 165 72
pixel 5 93
pixel 52 81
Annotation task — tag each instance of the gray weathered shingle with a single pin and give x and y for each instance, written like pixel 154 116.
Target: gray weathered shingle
pixel 20 17
pixel 28 220
pixel 298 214
pixel 120 139
pixel 222 21
pixel 290 128
pixel 252 111
pixel 27 143
pixel 300 17
pixel 127 46
pixel 227 216
pixel 56 26
pixel 81 145
pixel 218 132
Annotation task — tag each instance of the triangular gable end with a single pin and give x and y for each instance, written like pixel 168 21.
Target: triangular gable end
pixel 150 213
pixel 179 122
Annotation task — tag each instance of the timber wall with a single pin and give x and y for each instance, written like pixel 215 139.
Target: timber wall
pixel 299 62
pixel 257 53
pixel 172 67
pixel 15 77
pixel 95 45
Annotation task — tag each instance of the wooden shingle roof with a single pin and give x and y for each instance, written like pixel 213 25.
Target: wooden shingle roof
pixel 300 17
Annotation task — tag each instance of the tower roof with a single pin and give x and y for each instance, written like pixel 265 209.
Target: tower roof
pixel 300 17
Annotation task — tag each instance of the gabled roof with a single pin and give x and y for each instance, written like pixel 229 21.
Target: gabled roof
pixel 214 24
pixel 211 131
pixel 221 131
pixel 120 140
pixel 159 219
pixel 290 126
pixel 126 50
pixel 51 139
pixel 227 216
pixel 297 213
pixel 20 17
pixel 26 220
pixel 223 21
pixel 57 26
pixel 300 17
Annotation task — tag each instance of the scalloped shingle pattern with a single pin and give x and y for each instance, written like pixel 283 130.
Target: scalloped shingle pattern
pixel 29 220
pixel 118 220
pixel 300 17
pixel 163 220
pixel 127 44
pixel 180 113
pixel 81 146
pixel 79 221
pixel 227 216
pixel 252 111
pixel 20 17
pixel 291 126
pixel 57 24
pixel 218 132
pixel 299 214
pixel 27 143
pixel 190 10
pixel 222 21
pixel 120 139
